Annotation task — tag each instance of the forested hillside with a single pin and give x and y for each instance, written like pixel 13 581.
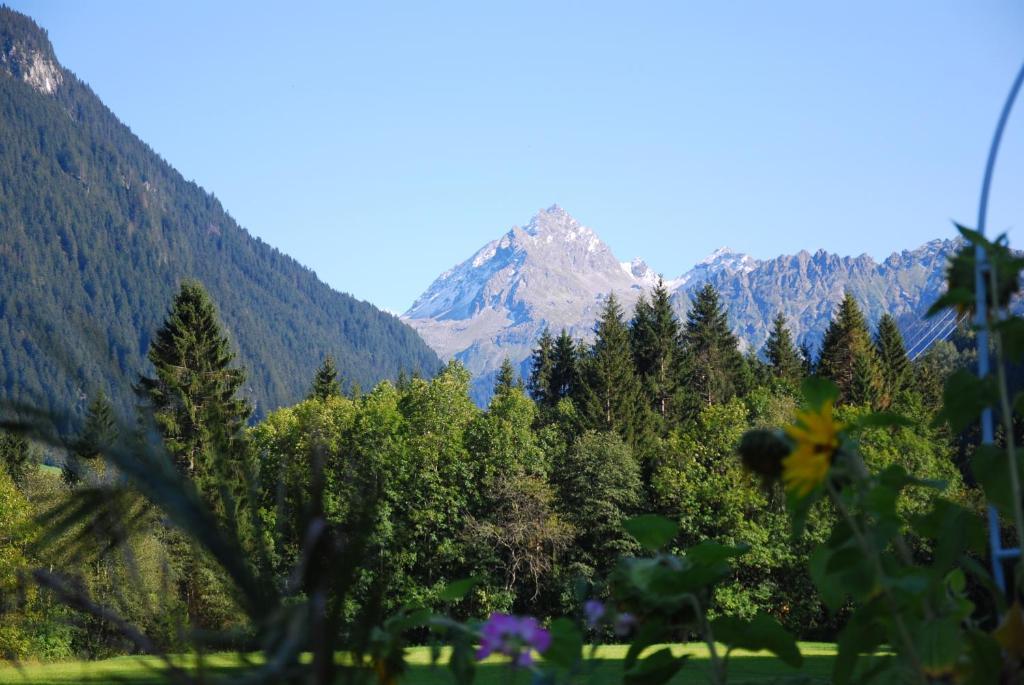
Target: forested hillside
pixel 96 234
pixel 528 496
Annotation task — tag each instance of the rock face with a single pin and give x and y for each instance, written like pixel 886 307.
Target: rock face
pixel 552 272
pixel 27 55
pixel 555 273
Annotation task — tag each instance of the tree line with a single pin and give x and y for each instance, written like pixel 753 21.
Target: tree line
pixel 527 495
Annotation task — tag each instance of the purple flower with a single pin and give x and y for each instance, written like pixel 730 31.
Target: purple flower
pixel 513 636
pixel 624 623
pixel 593 610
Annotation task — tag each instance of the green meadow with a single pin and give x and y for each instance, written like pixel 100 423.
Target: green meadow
pixel 750 667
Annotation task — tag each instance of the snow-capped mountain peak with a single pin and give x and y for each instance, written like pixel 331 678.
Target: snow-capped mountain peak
pixel 639 270
pixel 722 259
pixel 555 273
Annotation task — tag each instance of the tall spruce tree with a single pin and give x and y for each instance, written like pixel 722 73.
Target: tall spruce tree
pixel 507 379
pixel 782 355
pixel 194 393
pixel 847 352
pixel 194 400
pixel 565 371
pixel 654 335
pixel 865 384
pixel 806 359
pixel 893 362
pixel 325 383
pixel 712 365
pixel 99 433
pixel 541 370
pixel 611 391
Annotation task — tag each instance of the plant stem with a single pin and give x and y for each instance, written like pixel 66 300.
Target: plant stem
pixel 717 666
pixel 898 541
pixel 1004 403
pixel 870 552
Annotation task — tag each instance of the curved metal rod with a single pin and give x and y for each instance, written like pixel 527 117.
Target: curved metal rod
pixel 990 166
pixel 981 320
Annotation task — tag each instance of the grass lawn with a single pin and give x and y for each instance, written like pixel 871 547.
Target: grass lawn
pixel 744 667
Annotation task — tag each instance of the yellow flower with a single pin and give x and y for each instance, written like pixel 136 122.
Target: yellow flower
pixel 817 438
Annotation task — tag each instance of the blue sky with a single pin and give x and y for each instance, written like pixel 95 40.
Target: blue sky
pixel 381 143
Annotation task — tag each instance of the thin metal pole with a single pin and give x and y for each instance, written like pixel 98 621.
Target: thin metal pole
pixel 981 321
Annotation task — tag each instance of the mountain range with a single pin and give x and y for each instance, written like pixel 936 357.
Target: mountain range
pixel 556 273
pixel 97 231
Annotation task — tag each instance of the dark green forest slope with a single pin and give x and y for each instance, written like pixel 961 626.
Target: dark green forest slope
pixel 96 233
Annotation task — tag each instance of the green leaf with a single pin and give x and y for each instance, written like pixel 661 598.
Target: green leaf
pixel 843 559
pixel 763 632
pixel 895 476
pixel 1012 332
pixel 651 531
pixel 881 419
pixel 982 575
pixel 817 391
pixel 651 632
pixel 955 530
pixel 829 586
pixel 655 669
pixel 985 659
pixel 799 509
pixel 972 236
pixel 954 298
pixel 458 589
pixel 990 466
pixel 964 397
pixel 566 644
pixel 861 635
pixel 956 581
pixel 405 621
pixel 881 501
pixel 710 552
pixel 939 645
pixel 462 662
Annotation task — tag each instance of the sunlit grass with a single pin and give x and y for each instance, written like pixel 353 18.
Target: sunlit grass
pixel 744 667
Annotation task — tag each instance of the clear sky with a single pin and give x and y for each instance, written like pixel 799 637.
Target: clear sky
pixel 380 142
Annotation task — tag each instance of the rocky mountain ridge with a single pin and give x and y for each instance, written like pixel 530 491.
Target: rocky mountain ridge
pixel 554 272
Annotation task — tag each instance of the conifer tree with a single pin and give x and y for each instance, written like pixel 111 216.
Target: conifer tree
pixel 654 335
pixel 755 372
pixel 782 355
pixel 864 387
pixel 194 393
pixel 565 372
pixel 712 366
pixel 847 352
pixel 507 379
pixel 611 392
pixel 893 363
pixel 17 456
pixel 99 433
pixel 325 383
pixel 806 359
pixel 541 371
pixel 194 400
